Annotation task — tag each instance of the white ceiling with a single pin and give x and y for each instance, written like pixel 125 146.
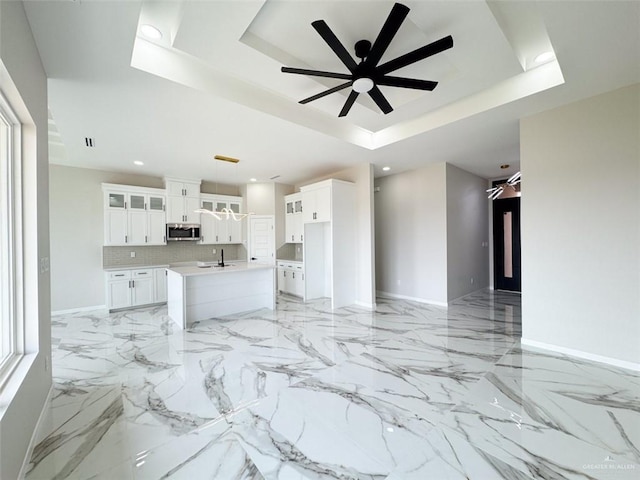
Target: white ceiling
pixel 213 84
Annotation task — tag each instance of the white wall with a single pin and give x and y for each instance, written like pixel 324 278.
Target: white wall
pixel 23 81
pixel 581 226
pixel 268 199
pixel 467 229
pixel 77 233
pixel 411 234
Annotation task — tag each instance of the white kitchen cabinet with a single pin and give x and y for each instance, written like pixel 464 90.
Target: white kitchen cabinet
pixel 208 223
pixel 182 209
pixel 133 215
pixel 223 231
pixel 228 229
pixel 316 202
pixel 183 198
pixel 182 188
pixel 135 287
pixel 294 229
pixel 330 242
pixel 291 278
pixel 142 287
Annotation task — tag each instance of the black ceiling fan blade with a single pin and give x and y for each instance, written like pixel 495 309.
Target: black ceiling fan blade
pixel 328 36
pixel 398 13
pixel 407 83
pixel 380 100
pixel 316 73
pixel 349 103
pixel 326 92
pixel 416 55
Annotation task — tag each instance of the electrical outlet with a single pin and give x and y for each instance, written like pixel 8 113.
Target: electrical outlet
pixel 44 264
pixel 214 251
pixel 133 254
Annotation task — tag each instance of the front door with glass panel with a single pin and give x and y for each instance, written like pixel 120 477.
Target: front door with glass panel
pixel 506 244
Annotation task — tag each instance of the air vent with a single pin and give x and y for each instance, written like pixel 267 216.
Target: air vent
pixel 89 142
pixel 274 177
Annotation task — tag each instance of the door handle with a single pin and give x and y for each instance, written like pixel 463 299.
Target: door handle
pixel 253 258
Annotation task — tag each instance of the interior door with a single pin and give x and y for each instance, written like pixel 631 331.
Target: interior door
pixel 262 239
pixel 506 244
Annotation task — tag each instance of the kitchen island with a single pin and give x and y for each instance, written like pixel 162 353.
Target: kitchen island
pixel 200 292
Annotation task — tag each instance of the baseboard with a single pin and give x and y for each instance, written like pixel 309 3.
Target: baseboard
pixel 34 435
pixel 380 293
pixel 79 309
pixel 580 354
pixel 368 306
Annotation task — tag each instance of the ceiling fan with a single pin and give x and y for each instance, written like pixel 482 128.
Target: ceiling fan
pixel 364 77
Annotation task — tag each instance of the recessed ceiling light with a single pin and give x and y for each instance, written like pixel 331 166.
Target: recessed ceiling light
pixel 253 179
pixel 150 31
pixel 544 57
pixel 386 169
pixel 138 162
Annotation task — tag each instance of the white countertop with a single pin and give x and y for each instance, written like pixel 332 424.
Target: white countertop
pixel 213 269
pixel 133 267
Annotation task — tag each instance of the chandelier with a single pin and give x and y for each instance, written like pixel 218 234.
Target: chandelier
pixel 495 192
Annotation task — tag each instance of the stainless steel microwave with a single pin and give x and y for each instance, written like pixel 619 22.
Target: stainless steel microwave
pixel 183 232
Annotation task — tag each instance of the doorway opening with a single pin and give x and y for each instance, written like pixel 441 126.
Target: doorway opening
pixel 507 269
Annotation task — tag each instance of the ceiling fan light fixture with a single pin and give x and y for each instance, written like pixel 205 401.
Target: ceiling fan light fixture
pixel 544 57
pixel 150 31
pixel 362 85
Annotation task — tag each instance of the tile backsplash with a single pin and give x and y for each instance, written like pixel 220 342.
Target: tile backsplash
pixel 171 253
pixel 290 251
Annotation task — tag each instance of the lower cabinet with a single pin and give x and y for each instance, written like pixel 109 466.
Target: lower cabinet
pixel 136 287
pixel 291 278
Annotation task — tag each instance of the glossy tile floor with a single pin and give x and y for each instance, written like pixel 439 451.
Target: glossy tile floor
pixel 410 391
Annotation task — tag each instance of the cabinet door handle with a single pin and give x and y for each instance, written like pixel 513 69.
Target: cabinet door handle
pixel 125 239
pixel 145 206
pixel 301 236
pixel 125 205
pixel 294 274
pixel 292 238
pixel 284 274
pixel 216 238
pixel 164 239
pixel 229 237
pixel 119 275
pixel 145 239
pixel 142 273
pixel 133 284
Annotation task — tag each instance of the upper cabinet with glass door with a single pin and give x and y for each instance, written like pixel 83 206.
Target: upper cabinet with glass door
pixel 133 215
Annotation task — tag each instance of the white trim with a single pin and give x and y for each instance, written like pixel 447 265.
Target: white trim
pixel 380 293
pixel 80 309
pixel 580 354
pixel 368 306
pixel 34 435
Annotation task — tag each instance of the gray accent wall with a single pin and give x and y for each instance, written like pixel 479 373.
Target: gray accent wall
pixel 581 226
pixel 467 233
pixel 431 224
pixel 411 234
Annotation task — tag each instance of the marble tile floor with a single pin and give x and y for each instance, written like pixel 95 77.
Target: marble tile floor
pixel 410 391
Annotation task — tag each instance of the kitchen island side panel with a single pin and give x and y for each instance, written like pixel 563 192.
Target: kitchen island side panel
pixel 176 297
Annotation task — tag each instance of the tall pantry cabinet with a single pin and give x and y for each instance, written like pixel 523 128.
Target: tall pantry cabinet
pixel 330 241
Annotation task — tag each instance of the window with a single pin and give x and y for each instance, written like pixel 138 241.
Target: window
pixel 11 344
